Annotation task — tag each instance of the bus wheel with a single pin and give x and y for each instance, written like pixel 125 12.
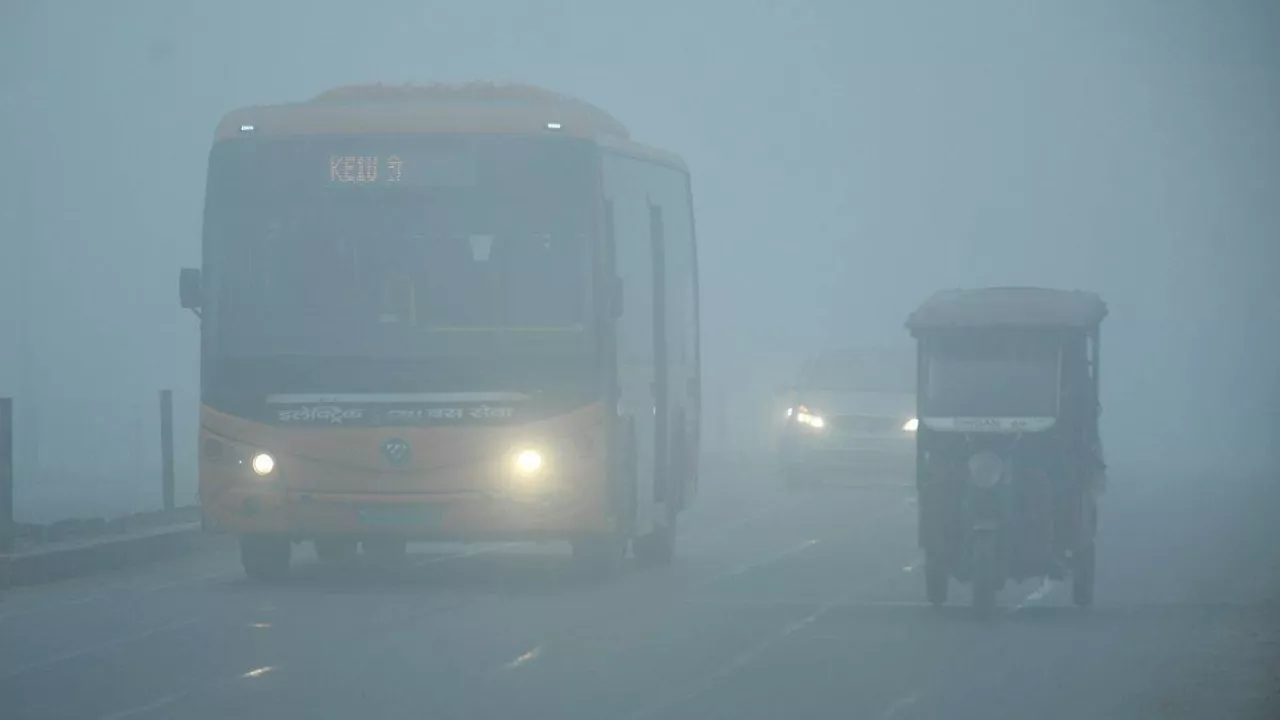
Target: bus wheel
pixel 335 551
pixel 265 557
pixel 599 556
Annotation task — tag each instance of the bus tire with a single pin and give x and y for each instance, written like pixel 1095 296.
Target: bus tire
pixel 265 557
pixel 658 547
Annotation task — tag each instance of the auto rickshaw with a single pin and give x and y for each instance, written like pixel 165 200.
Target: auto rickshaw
pixel 1009 461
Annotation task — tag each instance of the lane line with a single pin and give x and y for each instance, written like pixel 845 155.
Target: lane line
pixel 719 528
pixel 746 657
pixel 896 707
pixel 167 700
pixel 734 664
pixel 747 567
pixel 44 664
pixel 525 658
pixel 124 593
pixel 144 709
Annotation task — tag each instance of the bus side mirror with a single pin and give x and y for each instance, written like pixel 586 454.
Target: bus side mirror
pixel 615 298
pixel 189 290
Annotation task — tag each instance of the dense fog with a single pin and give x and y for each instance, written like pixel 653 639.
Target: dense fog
pixel 848 159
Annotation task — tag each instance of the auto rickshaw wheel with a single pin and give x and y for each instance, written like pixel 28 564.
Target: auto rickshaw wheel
pixel 937 581
pixel 987 573
pixel 1082 576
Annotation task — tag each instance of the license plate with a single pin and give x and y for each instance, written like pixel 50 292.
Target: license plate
pixel 398 515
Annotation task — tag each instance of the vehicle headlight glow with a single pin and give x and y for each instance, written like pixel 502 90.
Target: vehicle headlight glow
pixel 813 420
pixel 912 425
pixel 529 462
pixel 985 470
pixel 263 464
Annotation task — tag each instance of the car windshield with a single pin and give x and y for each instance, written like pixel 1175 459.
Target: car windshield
pixel 992 375
pixel 882 372
pixel 410 268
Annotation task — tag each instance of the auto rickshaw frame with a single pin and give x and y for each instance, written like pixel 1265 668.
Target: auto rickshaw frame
pixel 970 533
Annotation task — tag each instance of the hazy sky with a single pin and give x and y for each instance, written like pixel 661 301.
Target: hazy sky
pixel 848 157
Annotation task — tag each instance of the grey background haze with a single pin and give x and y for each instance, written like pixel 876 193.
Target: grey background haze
pixel 849 158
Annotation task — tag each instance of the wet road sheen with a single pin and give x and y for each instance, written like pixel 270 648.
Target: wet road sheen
pixel 781 604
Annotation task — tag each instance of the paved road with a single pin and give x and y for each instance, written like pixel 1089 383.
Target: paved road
pixel 781 605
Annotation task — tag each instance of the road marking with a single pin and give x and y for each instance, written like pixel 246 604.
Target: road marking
pixel 1044 590
pixel 144 709
pixel 96 597
pixel 525 658
pixel 734 664
pixel 175 697
pixel 100 647
pixel 745 520
pixel 896 708
pixel 744 568
pixel 749 655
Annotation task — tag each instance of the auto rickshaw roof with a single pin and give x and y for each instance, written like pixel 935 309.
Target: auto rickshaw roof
pixel 1008 307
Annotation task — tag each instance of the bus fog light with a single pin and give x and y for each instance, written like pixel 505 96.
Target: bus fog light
pixel 263 464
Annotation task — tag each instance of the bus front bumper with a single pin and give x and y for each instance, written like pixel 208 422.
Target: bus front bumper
pixel 444 517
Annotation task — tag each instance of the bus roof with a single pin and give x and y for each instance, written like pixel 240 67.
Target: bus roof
pixel 1009 307
pixel 475 107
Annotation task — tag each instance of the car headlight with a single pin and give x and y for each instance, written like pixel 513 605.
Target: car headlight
pixel 263 464
pixel 810 419
pixel 985 470
pixel 911 425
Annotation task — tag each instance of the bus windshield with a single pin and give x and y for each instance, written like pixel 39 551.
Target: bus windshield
pixel 493 246
pixel 992 375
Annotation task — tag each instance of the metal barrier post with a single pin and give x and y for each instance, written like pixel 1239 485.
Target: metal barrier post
pixel 6 476
pixel 166 447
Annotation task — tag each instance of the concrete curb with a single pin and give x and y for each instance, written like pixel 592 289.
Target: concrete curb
pixel 63 561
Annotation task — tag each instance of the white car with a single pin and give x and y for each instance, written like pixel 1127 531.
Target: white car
pixel 851 417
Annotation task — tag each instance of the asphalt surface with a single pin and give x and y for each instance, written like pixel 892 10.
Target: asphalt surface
pixel 781 604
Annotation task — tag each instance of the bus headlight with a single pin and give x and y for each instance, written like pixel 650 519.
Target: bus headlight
pixel 263 464
pixel 529 462
pixel 912 425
